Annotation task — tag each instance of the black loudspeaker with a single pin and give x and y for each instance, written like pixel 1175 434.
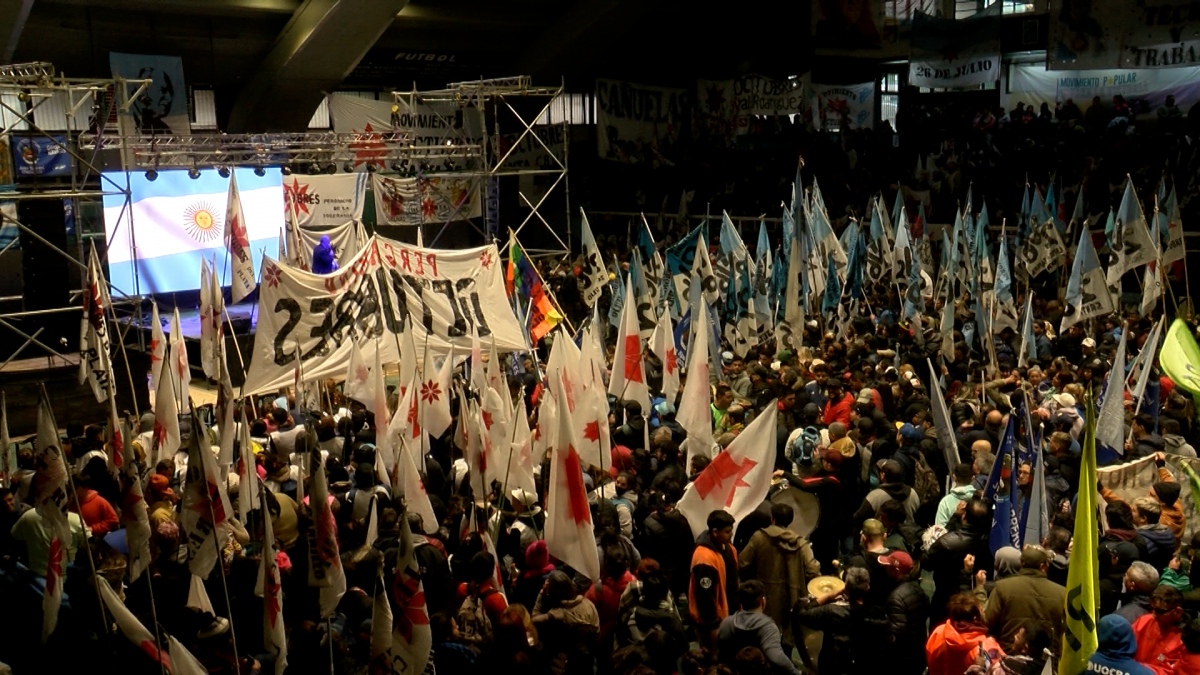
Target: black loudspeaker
pixel 47 274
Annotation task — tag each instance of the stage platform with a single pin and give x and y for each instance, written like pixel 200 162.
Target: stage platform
pixel 70 401
pixel 238 335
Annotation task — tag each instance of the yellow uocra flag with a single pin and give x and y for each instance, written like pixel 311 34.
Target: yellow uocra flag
pixel 1180 357
pixel 1083 576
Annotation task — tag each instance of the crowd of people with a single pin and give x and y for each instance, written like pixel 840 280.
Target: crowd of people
pixel 907 576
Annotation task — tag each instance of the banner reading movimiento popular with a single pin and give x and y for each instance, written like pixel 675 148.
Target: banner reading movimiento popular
pixel 442 296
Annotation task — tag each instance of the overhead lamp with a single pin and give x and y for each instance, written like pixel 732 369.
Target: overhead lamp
pixel 151 175
pixel 371 168
pixel 286 169
pixel 194 172
pixel 348 166
pixel 314 169
pixel 331 167
pixel 260 171
pixel 223 171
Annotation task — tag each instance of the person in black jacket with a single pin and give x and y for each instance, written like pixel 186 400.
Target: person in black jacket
pixel 831 522
pixel 946 555
pixel 847 626
pixel 907 611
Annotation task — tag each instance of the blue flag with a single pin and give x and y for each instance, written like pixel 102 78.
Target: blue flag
pixel 858 256
pixel 1001 489
pixel 833 289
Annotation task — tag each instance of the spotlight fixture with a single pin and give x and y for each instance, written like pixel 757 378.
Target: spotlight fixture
pixel 151 175
pixel 314 169
pixel 348 166
pixel 223 172
pixel 398 166
pixel 371 168
pixel 286 169
pixel 194 172
pixel 260 171
pixel 331 167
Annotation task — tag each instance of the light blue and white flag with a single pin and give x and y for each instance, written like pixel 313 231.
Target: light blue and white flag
pixel 1087 294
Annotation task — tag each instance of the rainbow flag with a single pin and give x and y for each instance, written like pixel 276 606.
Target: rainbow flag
pixel 522 279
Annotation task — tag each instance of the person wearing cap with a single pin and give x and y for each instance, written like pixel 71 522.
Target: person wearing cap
pixel 908 452
pixel 1026 596
pixel 907 609
pixel 1060 409
pixel 892 486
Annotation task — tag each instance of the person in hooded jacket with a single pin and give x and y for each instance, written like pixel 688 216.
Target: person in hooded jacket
pixel 783 562
pixel 847 625
pixel 1159 539
pixel 1116 649
pixel 1173 441
pixel 907 609
pixel 750 627
pixel 961 493
pixel 324 260
pixel 946 556
pixel 954 644
pixel 533 576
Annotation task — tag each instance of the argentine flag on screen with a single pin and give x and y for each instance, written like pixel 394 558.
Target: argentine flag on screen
pixel 178 220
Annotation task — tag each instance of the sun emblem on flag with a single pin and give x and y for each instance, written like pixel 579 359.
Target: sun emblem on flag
pixel 201 222
pixel 271 275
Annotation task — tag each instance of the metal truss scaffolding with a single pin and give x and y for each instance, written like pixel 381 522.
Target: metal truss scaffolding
pixel 482 104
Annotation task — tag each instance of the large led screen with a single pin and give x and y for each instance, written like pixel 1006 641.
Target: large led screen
pixel 178 220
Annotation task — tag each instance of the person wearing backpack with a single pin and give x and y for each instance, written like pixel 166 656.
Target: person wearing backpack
pixel 481 603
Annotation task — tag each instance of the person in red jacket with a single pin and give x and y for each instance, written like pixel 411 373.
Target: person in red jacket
pixel 606 594
pixel 1159 638
pixel 94 509
pixel 838 405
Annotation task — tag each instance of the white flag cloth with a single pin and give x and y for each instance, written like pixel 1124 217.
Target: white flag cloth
pixel 135 514
pixel 738 477
pixel 166 416
pixel 662 343
pixel 179 362
pixel 569 534
pixel 50 492
pixel 1087 296
pixel 547 427
pixel 593 275
pixel 182 661
pixel 269 588
pixel 1131 243
pixel 695 411
pixel 496 432
pixel 591 417
pixel 412 640
pixel 1110 421
pixel 248 496
pixel 1175 248
pixel 237 242
pixel 702 269
pixel 628 379
pixel 941 420
pixel 95 365
pixel 477 450
pixel 208 334
pixel 1151 288
pixel 205 510
pixel 381 628
pixel 225 409
pixel 218 314
pixel 158 346
pixel 384 455
pixel 406 422
pixel 407 485
pixel 325 562
pixel 435 395
pixel 359 384
pixel 130 627
pixel 517 460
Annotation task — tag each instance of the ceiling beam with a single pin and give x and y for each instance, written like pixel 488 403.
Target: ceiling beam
pixel 13 15
pixel 317 49
pixel 188 7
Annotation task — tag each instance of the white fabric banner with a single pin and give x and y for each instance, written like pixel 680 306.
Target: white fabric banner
pixel 726 106
pixel 1131 480
pixel 634 122
pixel 347 240
pixel 415 124
pixel 1148 33
pixel 325 200
pixel 952 54
pixel 850 106
pixel 959 73
pixel 1144 89
pixel 432 199
pixel 372 299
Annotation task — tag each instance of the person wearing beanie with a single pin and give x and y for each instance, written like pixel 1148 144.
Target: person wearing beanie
pixel 1117 646
pixel 531 579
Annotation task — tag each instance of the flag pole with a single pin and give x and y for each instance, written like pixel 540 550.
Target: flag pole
pixel 196 426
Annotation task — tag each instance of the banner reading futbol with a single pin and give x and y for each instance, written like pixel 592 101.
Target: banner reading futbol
pixel 390 287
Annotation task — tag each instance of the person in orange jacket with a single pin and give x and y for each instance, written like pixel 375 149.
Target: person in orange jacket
pixel 953 646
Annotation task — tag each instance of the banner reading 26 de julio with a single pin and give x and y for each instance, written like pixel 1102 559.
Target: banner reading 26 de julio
pixel 388 288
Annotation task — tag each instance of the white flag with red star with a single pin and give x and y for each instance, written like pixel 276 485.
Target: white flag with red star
pixel 662 343
pixel 434 395
pixel 208 335
pixel 135 515
pixel 166 415
pixel 738 477
pixel 359 385
pixel 569 535
pixel 248 497
pixel 325 561
pixel 95 365
pixel 628 380
pixel 270 590
pixel 179 362
pixel 517 458
pixel 237 242
pixel 385 460
pixel 130 627
pixel 411 636
pixel 595 434
pixel 205 509
pixel 50 500
pixel 158 346
pixel 407 485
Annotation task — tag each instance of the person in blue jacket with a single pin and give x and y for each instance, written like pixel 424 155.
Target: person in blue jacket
pixel 324 260
pixel 1114 656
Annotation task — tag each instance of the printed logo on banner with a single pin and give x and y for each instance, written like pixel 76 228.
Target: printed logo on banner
pixel 325 201
pixel 41 156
